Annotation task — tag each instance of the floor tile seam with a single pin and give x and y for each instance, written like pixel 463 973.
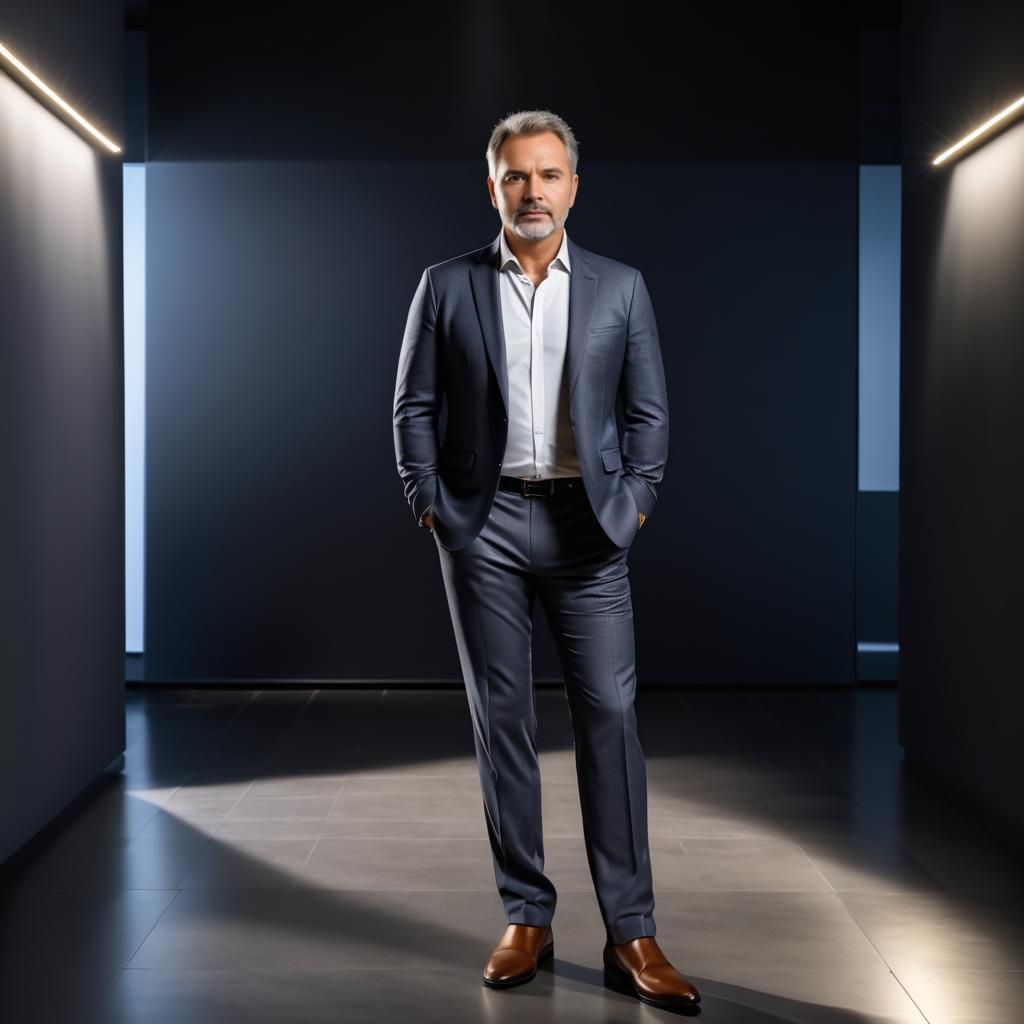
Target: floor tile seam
pixel 839 781
pixel 91 1015
pixel 792 736
pixel 153 928
pixel 220 733
pixel 883 959
pixel 779 822
pixel 316 841
pixel 831 888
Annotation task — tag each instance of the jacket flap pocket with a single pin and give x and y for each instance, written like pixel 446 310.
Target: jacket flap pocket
pixel 456 458
pixel 607 328
pixel 612 459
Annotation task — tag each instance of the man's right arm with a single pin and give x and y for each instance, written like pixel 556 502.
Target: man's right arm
pixel 417 404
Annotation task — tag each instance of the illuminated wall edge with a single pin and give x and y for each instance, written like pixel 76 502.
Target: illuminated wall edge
pixel 134 177
pixel 8 60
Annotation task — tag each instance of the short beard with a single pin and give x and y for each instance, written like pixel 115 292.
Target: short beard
pixel 535 231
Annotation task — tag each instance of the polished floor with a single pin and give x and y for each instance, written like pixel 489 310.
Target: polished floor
pixel 320 855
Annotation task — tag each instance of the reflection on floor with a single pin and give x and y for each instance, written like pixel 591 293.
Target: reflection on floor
pixel 321 855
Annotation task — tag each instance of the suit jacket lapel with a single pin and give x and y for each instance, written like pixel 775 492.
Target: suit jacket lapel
pixel 582 293
pixel 483 277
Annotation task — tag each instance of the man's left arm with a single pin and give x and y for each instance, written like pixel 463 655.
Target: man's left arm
pixel 644 403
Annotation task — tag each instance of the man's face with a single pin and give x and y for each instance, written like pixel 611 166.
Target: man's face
pixel 533 175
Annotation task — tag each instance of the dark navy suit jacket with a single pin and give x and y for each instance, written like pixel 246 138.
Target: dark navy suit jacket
pixel 454 346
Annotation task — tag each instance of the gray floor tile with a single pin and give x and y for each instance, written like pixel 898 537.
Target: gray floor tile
pixel 203 812
pixel 31 997
pixel 784 930
pixel 869 995
pixel 713 815
pixel 309 928
pixel 753 862
pixel 866 861
pixel 942 930
pixel 409 799
pixel 429 865
pixel 75 930
pixel 804 809
pixel 151 861
pixel 435 763
pixel 961 995
pixel 174 826
pixel 67 862
pixel 306 784
pixel 267 808
pixel 248 863
pixel 468 827
pixel 309 757
pixel 270 828
pixel 698 773
pixel 968 862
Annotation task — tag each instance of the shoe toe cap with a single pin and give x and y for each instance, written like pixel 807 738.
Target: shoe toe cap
pixel 506 964
pixel 666 983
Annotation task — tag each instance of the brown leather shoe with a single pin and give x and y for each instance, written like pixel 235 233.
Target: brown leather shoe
pixel 515 958
pixel 639 968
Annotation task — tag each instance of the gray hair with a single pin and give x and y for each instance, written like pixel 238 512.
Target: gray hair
pixel 531 122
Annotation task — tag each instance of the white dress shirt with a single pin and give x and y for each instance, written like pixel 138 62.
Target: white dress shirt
pixel 540 443
pixel 536 319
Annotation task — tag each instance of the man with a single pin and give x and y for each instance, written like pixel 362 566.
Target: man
pixel 533 493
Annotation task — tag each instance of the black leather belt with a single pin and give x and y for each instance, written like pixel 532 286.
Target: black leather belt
pixel 540 488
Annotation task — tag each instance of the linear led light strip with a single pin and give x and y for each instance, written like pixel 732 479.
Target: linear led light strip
pixel 977 131
pixel 66 107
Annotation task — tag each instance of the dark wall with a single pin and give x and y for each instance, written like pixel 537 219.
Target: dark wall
pixel 279 544
pixel 292 205
pixel 962 603
pixel 61 420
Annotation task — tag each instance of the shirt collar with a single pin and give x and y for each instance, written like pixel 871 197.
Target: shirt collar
pixel 563 253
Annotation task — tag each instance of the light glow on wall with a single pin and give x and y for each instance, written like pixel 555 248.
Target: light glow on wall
pixel 990 123
pixel 13 61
